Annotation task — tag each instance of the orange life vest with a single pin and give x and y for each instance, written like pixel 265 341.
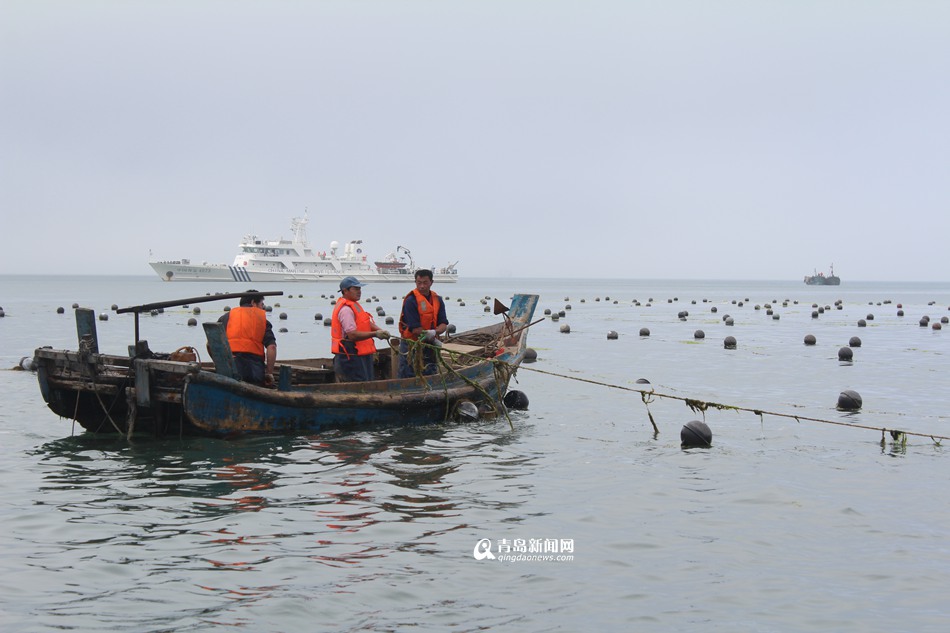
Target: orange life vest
pixel 364 323
pixel 428 313
pixel 246 328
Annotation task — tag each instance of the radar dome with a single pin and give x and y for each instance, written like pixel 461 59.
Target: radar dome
pixel 334 244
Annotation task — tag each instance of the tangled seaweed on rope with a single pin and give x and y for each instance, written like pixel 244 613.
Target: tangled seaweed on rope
pixel 502 371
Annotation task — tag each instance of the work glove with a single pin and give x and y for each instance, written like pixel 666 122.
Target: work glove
pixel 382 334
pixel 430 336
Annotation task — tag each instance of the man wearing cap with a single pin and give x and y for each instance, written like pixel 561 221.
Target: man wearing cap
pixel 352 330
pixel 252 339
pixel 422 318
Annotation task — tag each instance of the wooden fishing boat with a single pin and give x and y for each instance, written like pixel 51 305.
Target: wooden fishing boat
pixel 147 392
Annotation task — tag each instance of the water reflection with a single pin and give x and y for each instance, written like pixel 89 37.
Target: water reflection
pixel 338 493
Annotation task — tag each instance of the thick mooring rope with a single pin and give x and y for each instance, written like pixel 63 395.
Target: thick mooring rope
pixel 701 406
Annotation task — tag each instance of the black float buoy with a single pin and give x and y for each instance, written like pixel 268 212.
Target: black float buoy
pixel 529 355
pixel 103 316
pixel 643 381
pixel 695 434
pixel 810 339
pixel 644 331
pixel 60 310
pixel 862 323
pixel 450 329
pixel 849 400
pixel 612 335
pixel 318 317
pixel 515 399
pixel 196 310
pixel 390 320
pixel 282 330
pixel 729 342
pixel 466 411
pixel 192 321
pixel 854 342
pixel 328 322
pixel 699 334
pixel 283 316
pixel 845 353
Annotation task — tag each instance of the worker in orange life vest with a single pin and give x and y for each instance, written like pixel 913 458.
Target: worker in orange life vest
pixel 422 318
pixel 352 330
pixel 252 339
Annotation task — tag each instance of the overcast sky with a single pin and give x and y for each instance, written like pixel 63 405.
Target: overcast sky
pixel 664 139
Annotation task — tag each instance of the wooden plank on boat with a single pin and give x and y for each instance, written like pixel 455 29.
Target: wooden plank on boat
pixel 220 350
pixel 86 329
pixel 143 391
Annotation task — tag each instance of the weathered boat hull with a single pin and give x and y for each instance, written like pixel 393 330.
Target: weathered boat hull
pixel 150 393
pixel 216 405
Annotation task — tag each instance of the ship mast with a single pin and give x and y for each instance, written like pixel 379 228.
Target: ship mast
pixel 299 227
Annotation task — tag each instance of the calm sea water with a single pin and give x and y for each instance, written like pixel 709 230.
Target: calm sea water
pixel 782 525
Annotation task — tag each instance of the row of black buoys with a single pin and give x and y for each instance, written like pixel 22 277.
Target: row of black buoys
pixel 849 400
pixel 695 434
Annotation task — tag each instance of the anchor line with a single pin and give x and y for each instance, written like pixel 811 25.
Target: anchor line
pixel 699 405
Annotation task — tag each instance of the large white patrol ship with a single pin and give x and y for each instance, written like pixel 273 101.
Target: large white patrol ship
pixel 294 260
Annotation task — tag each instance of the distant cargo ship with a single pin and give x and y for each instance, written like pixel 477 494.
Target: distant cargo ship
pixel 294 260
pixel 820 279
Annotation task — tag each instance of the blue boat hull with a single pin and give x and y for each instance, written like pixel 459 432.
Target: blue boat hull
pixel 220 406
